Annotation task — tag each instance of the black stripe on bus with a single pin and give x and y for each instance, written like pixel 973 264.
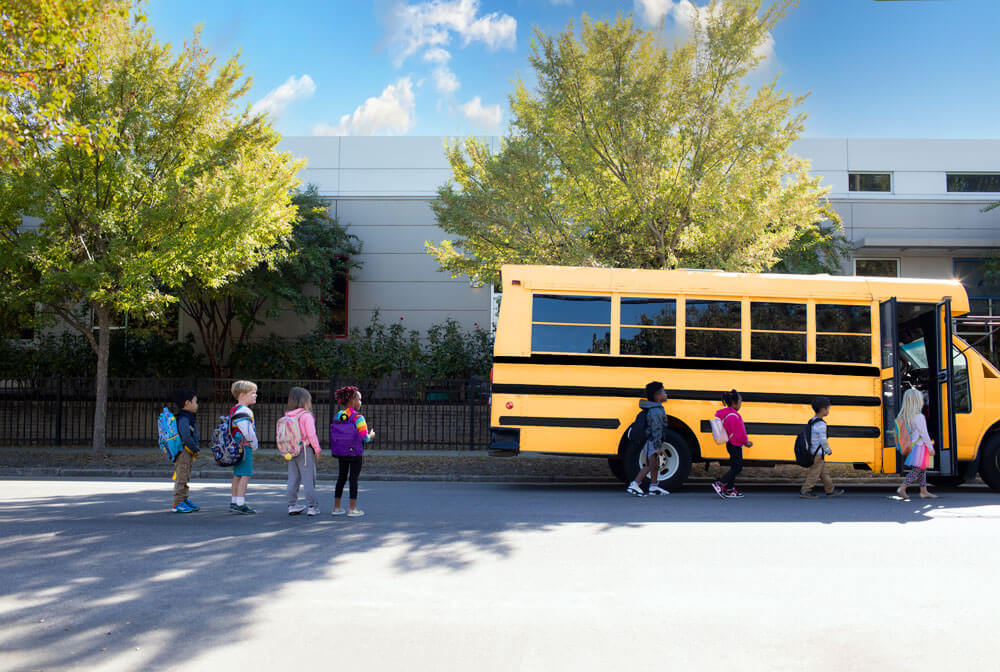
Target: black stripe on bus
pixel 687 395
pixel 794 429
pixel 590 423
pixel 689 363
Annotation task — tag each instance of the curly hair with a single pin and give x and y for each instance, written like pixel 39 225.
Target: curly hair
pixel 731 398
pixel 344 395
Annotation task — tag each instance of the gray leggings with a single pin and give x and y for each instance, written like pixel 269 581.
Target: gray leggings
pixel 916 475
pixel 302 470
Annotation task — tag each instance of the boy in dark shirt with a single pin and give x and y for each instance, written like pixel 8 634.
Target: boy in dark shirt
pixel 187 405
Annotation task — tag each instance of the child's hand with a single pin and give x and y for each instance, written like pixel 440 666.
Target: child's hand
pixel 931 451
pixel 371 434
pixel 749 444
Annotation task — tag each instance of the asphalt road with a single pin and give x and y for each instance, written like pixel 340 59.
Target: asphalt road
pixel 446 576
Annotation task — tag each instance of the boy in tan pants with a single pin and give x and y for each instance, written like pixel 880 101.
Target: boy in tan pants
pixel 820 447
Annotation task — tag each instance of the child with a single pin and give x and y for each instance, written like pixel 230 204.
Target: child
pixel 187 405
pixel 245 394
pixel 819 446
pixel 302 467
pixel 349 399
pixel 733 422
pixel 656 418
pixel 911 420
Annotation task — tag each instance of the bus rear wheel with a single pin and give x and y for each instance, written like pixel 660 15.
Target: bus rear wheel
pixel 989 462
pixel 675 460
pixel 617 466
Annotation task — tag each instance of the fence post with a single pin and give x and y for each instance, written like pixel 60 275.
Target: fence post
pixel 333 404
pixel 59 409
pixel 471 394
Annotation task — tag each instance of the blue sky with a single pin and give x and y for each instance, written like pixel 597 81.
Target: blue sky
pixel 903 68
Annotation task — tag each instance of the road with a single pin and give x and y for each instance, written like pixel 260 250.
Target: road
pixel 98 575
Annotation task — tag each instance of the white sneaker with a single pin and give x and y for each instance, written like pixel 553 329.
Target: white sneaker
pixel 296 509
pixel 655 489
pixel 337 512
pixel 634 489
pixel 355 513
pixel 312 511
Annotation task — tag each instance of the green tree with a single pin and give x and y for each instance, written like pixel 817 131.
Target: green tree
pixel 631 154
pixel 175 183
pixel 318 251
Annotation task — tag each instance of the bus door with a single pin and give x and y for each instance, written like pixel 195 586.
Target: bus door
pixel 945 461
pixel 891 383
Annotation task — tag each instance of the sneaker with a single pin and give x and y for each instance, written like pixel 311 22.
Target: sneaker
pixel 337 512
pixel 355 513
pixel 194 507
pixel 719 488
pixel 808 495
pixel 234 508
pixel 245 509
pixel 312 511
pixel 182 508
pixel 634 489
pixel 655 489
pixel 836 493
pixel 296 509
pixel 733 493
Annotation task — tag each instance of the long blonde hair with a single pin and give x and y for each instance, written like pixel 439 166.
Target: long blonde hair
pixel 913 404
pixel 299 397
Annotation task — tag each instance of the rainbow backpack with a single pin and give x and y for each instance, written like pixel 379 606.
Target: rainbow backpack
pixel 170 440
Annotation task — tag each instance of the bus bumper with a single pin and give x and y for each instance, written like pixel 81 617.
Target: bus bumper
pixel 504 441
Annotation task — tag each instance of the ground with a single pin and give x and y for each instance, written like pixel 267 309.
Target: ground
pixel 98 575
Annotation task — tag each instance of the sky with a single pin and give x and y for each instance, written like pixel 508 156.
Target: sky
pixel 872 68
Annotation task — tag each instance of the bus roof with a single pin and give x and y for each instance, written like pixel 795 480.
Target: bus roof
pixel 722 283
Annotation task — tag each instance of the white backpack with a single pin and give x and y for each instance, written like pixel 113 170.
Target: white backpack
pixel 719 432
pixel 288 436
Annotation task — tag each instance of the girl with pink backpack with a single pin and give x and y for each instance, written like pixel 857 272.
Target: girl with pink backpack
pixel 297 441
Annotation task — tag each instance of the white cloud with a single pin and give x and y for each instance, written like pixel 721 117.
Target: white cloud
pixel 486 116
pixel 391 113
pixel 433 22
pixel 275 102
pixel 445 80
pixel 437 55
pixel 684 14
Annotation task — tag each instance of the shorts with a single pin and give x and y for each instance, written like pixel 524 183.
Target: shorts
pixel 245 467
pixel 650 448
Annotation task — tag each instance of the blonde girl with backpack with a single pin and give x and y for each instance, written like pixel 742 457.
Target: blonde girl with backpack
pixel 298 442
pixel 914 443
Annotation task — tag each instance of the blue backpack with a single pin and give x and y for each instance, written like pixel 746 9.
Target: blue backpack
pixel 170 440
pixel 228 442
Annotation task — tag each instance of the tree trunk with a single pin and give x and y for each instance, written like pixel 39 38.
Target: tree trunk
pixel 101 391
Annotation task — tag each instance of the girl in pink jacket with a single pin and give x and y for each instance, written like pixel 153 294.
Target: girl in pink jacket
pixel 733 422
pixel 302 467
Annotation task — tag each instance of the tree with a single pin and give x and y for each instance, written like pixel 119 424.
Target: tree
pixel 45 42
pixel 172 183
pixel 632 154
pixel 318 251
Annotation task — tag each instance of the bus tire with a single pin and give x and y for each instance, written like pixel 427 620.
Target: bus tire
pixel 989 461
pixel 675 460
pixel 617 466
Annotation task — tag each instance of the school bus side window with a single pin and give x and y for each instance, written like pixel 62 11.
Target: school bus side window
pixel 843 333
pixel 778 331
pixel 568 323
pixel 648 326
pixel 713 328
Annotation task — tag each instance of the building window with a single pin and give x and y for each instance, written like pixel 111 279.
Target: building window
pixel 843 334
pixel 778 331
pixel 869 181
pixel 713 328
pixel 334 298
pixel 580 324
pixel 648 326
pixel 877 268
pixel 974 182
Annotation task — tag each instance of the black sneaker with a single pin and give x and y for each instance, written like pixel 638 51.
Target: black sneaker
pixel 733 493
pixel 808 495
pixel 234 508
pixel 245 509
pixel 836 493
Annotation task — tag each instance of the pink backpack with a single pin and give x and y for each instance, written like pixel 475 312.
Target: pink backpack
pixel 288 435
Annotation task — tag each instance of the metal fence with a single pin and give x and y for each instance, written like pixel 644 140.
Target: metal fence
pixel 406 414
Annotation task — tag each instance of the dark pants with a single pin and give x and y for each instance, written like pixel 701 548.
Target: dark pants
pixel 735 465
pixel 349 466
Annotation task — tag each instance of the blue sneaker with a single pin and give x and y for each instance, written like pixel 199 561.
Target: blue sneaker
pixel 192 505
pixel 182 508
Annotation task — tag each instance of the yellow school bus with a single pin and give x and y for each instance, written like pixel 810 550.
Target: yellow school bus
pixel 575 348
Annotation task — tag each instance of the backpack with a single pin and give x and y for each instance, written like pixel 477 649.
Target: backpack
pixel 903 442
pixel 719 432
pixel 228 442
pixel 288 436
pixel 804 456
pixel 344 438
pixel 638 432
pixel 170 440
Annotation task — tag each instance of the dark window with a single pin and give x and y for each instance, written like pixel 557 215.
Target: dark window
pixel 557 338
pixel 335 301
pixel 778 316
pixel 649 312
pixel 869 182
pixel 960 383
pixel 784 347
pixel 973 182
pixel 843 319
pixel 636 341
pixel 710 343
pixel 840 348
pixel 877 268
pixel 713 314
pixel 571 309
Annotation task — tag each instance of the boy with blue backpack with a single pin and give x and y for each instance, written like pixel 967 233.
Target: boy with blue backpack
pixel 187 430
